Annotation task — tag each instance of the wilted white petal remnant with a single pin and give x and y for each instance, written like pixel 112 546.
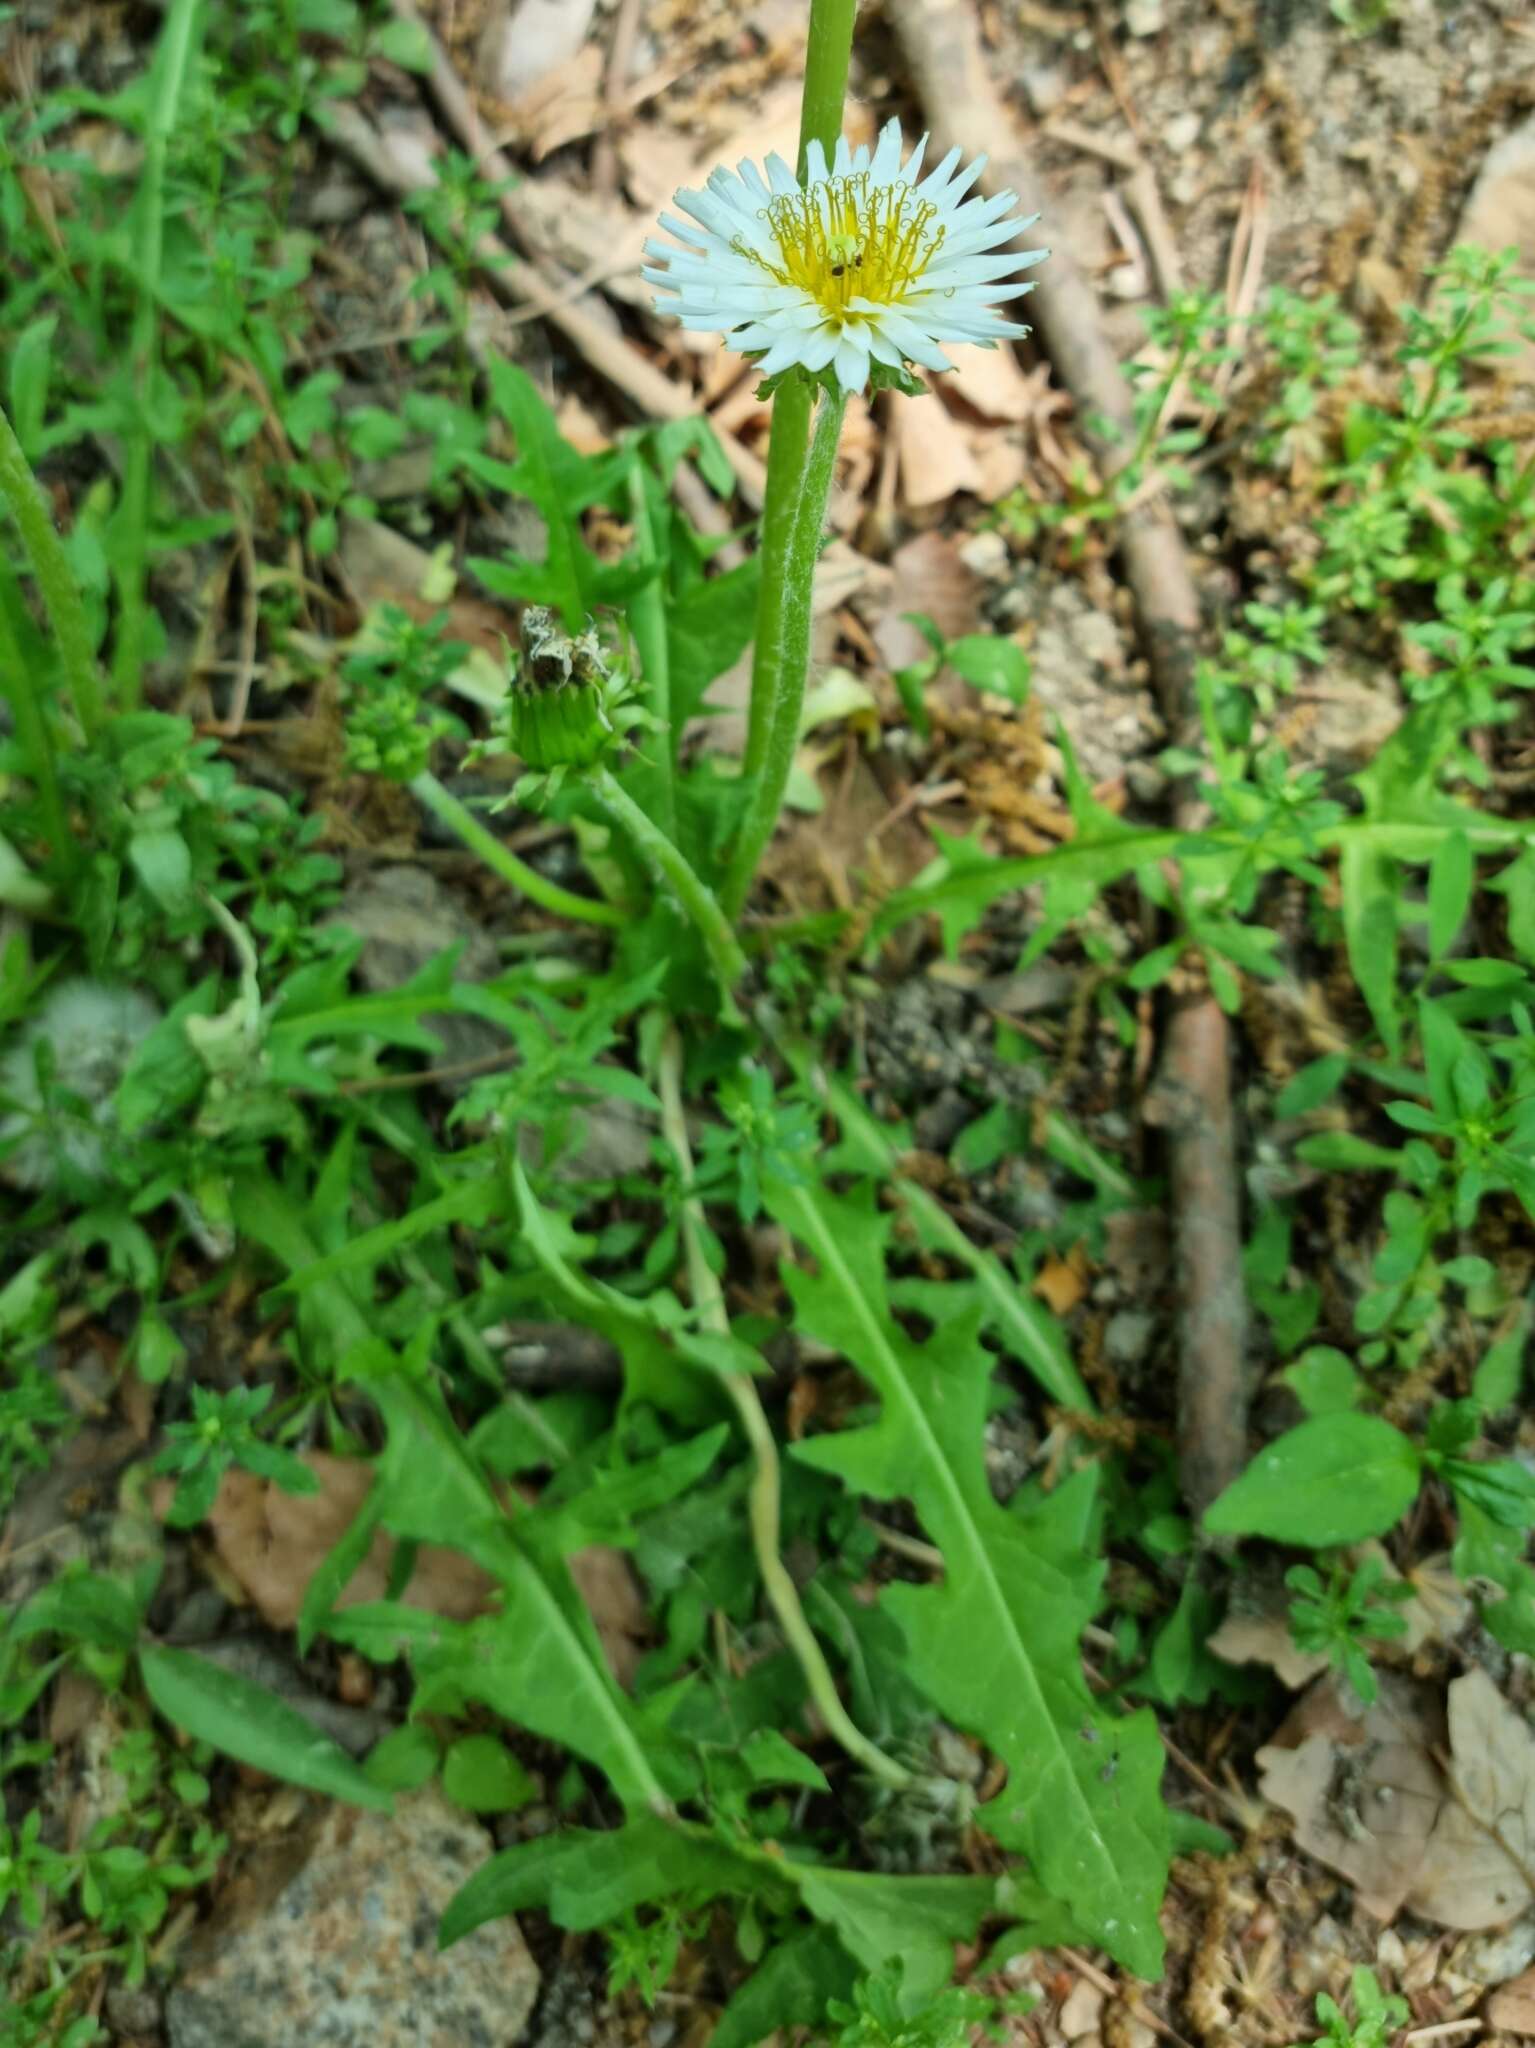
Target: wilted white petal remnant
pixel 869 262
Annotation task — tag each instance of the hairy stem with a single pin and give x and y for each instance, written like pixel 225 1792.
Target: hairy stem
pixel 827 56
pixel 783 1595
pixel 673 870
pixel 500 859
pixel 788 452
pixel 55 580
pixel 783 663
pixel 827 52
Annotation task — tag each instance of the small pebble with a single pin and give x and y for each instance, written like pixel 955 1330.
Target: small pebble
pixel 1182 132
pixel 1044 88
pixel 1494 1957
pixel 1128 1336
pixel 985 554
pixel 1146 782
pixel 1145 17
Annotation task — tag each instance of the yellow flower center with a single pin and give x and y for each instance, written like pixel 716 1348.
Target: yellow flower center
pixel 846 239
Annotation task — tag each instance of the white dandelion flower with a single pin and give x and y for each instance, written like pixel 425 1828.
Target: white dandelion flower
pixel 868 262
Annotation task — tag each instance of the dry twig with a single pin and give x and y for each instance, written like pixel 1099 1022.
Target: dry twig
pixel 1191 1098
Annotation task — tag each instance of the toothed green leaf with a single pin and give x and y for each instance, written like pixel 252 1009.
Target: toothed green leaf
pixel 996 1645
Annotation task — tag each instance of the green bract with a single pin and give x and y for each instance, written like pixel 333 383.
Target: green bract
pixel 568 708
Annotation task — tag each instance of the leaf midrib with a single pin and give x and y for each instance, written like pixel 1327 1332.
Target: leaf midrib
pixel 829 1252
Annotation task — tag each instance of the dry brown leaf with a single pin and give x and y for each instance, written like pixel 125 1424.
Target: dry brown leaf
pixel 934 449
pixel 927 576
pixel 1061 1283
pixel 579 425
pixel 656 161
pixel 606 1582
pixel 771 127
pixel 274 1542
pixel 1083 2010
pixel 1364 1795
pixel 1266 1639
pixel 1440 1606
pixel 566 105
pixel 1511 2008
pixel 990 382
pixel 524 41
pixel 815 861
pixel 380 566
pixel 1480 1860
pixel 574 230
pixel 1000 462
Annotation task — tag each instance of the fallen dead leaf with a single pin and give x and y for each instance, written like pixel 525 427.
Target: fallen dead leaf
pixel 927 575
pixel 564 106
pixel 991 383
pixel 1061 1283
pixel 1364 1794
pixel 936 458
pixel 656 162
pixel 1511 2008
pixel 579 425
pixel 606 1582
pixel 592 238
pixel 1440 1606
pixel 528 40
pixel 381 566
pixel 999 460
pixel 1479 1870
pixel 1264 1638
pixel 272 1543
pixel 934 451
pixel 827 859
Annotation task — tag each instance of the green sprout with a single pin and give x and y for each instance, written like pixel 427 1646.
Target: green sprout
pixel 221 1434
pixel 1376 2017
pixel 1335 1618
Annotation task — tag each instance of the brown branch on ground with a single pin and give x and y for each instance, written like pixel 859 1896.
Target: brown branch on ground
pixel 1191 1098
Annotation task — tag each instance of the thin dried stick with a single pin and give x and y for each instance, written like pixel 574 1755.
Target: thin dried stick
pixel 610 355
pixel 1145 202
pixel 1244 277
pixel 1102 1981
pixel 620 63
pixel 1191 1099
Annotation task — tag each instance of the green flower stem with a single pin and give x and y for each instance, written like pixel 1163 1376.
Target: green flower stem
pixel 500 859
pixel 791 462
pixel 673 870
pixel 763 1506
pixel 55 580
pixel 827 53
pixel 783 656
pixel 35 738
pixel 788 453
pixel 174 57
pixel 647 622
